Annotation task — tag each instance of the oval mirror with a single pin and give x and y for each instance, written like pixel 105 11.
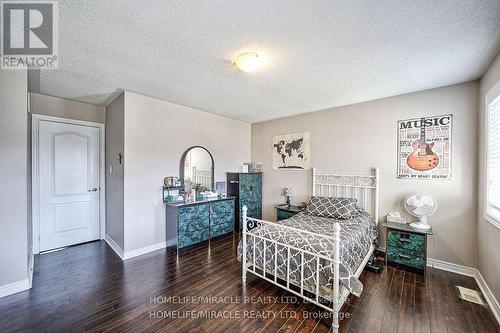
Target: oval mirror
pixel 197 169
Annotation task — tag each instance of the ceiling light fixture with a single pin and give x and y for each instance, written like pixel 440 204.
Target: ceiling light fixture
pixel 248 62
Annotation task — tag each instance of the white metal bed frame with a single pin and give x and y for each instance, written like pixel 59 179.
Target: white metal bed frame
pixel 362 187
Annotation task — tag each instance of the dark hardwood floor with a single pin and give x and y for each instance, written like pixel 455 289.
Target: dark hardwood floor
pixel 88 288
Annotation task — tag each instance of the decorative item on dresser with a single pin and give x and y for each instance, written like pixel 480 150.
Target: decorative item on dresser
pixel 286 193
pixel 286 211
pixel 191 223
pixel 171 185
pixel 406 246
pixel 247 188
pixel 254 166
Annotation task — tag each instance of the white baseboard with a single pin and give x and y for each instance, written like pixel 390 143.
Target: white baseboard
pixel 488 295
pixel 472 272
pixel 114 246
pixel 124 255
pixel 15 287
pixel 451 267
pixel 143 250
pixel 31 268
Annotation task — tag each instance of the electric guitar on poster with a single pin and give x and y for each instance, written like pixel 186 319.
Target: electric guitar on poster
pixel 422 158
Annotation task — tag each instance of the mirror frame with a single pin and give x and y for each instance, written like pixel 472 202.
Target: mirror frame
pixel 181 165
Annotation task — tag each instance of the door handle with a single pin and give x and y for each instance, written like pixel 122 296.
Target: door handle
pixel 93 189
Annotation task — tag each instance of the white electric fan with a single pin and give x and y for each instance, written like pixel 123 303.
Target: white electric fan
pixel 420 205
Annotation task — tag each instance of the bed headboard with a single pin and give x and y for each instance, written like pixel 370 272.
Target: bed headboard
pixel 361 187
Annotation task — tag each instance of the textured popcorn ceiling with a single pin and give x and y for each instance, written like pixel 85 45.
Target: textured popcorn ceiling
pixel 320 54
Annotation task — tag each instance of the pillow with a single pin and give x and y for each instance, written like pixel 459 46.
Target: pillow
pixel 337 208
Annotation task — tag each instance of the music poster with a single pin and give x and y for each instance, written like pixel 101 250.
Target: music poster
pixel 424 148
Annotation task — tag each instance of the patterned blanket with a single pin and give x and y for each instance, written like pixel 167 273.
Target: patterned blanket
pixel 356 236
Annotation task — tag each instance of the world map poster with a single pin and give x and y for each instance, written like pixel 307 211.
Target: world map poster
pixel 424 148
pixel 292 151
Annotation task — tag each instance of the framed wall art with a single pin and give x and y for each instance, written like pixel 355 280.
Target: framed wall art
pixel 292 151
pixel 424 148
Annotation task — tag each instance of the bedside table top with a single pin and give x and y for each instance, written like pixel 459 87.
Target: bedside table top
pixel 289 208
pixel 407 228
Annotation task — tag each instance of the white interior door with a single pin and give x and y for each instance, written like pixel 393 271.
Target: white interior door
pixel 68 184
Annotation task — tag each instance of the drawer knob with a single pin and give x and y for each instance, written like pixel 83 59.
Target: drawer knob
pixel 404 256
pixel 405 240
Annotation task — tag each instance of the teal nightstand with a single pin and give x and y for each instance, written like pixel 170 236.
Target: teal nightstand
pixel 286 211
pixel 406 246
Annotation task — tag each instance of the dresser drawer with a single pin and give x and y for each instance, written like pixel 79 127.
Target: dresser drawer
pixel 221 229
pixel 405 240
pixel 255 211
pixel 193 218
pixel 222 212
pixel 193 237
pixel 283 214
pixel 406 257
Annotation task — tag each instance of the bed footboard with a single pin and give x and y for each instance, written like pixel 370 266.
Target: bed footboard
pixel 284 282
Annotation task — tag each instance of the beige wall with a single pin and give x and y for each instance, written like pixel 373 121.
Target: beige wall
pixel 488 236
pixel 65 108
pixel 13 177
pixel 156 134
pixel 354 138
pixel 115 117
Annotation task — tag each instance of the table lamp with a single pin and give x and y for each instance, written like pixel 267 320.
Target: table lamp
pixel 286 193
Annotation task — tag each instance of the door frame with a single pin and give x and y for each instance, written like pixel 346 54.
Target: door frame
pixel 36 119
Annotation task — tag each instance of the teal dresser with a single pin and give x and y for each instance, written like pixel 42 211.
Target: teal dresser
pixel 193 223
pixel 247 188
pixel 406 246
pixel 221 217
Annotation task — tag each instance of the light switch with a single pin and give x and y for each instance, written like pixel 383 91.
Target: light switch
pixel 110 168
